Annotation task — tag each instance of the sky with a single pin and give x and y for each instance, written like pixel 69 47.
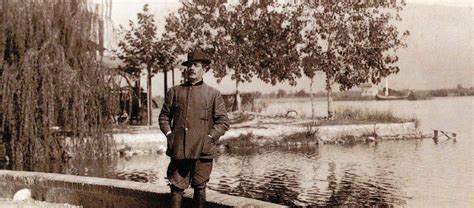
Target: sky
pixel 439 54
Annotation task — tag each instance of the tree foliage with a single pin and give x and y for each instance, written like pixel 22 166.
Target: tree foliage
pixel 52 78
pixel 351 43
pixel 244 40
pixel 142 49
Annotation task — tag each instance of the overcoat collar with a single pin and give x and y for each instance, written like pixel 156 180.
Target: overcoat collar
pixel 196 84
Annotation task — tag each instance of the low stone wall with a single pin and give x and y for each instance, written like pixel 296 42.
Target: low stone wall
pixel 331 133
pixel 380 131
pixel 100 192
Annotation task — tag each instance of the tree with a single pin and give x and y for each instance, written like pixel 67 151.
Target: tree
pixel 52 79
pixel 301 93
pixel 281 93
pixel 244 40
pixel 141 46
pixel 351 43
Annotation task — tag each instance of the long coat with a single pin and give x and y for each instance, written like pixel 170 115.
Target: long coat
pixel 197 117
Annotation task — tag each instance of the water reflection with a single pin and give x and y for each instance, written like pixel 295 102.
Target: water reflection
pixel 302 178
pixel 392 173
pixel 412 173
pixel 357 191
pixel 72 166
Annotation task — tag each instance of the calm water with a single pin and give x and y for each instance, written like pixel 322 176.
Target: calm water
pixel 416 173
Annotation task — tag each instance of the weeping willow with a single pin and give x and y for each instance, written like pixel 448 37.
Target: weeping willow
pixel 50 52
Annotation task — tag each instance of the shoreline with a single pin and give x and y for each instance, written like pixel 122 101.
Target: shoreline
pixel 273 132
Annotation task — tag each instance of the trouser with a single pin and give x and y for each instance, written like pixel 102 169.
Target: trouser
pixel 182 173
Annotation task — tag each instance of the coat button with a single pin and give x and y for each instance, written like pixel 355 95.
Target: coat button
pixel 186 129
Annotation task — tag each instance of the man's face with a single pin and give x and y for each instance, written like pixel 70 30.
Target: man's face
pixel 195 71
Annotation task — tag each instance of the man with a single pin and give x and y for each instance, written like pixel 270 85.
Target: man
pixel 193 118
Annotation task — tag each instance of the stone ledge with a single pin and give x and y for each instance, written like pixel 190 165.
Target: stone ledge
pixel 331 133
pixel 381 131
pixel 155 141
pixel 101 192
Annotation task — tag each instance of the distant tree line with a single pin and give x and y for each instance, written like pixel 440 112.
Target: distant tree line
pixel 449 92
pixel 356 95
pixel 344 95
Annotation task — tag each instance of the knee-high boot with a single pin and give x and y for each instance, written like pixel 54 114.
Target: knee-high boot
pixel 176 197
pixel 199 197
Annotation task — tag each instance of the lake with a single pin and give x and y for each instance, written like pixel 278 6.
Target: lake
pixel 412 173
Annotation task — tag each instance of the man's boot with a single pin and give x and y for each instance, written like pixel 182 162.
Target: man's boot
pixel 199 197
pixel 176 197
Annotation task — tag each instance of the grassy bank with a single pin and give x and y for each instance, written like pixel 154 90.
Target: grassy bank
pixel 249 141
pixel 351 115
pixel 264 133
pixel 348 116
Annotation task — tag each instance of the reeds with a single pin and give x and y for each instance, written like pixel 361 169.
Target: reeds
pixel 371 116
pixel 52 80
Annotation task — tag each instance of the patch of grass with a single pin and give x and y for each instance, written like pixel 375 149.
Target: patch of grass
pixel 242 141
pixel 352 116
pixel 306 138
pixel 240 117
pixel 351 140
pixel 309 137
pixel 369 116
pixel 310 133
pixel 361 115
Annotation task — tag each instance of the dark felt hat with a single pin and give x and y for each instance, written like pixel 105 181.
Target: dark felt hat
pixel 196 56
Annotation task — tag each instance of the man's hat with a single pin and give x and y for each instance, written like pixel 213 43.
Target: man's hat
pixel 196 56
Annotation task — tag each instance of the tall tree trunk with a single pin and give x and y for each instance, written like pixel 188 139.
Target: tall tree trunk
pixel 130 105
pixel 149 113
pixel 165 74
pixel 329 90
pixel 139 92
pixel 138 89
pixel 311 96
pixel 172 77
pixel 329 81
pixel 237 102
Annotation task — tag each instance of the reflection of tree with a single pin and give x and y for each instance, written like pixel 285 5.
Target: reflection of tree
pixel 278 188
pixel 76 166
pixel 231 170
pixel 332 185
pixel 262 180
pixel 277 175
pixel 242 151
pixel 251 151
pixel 354 191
